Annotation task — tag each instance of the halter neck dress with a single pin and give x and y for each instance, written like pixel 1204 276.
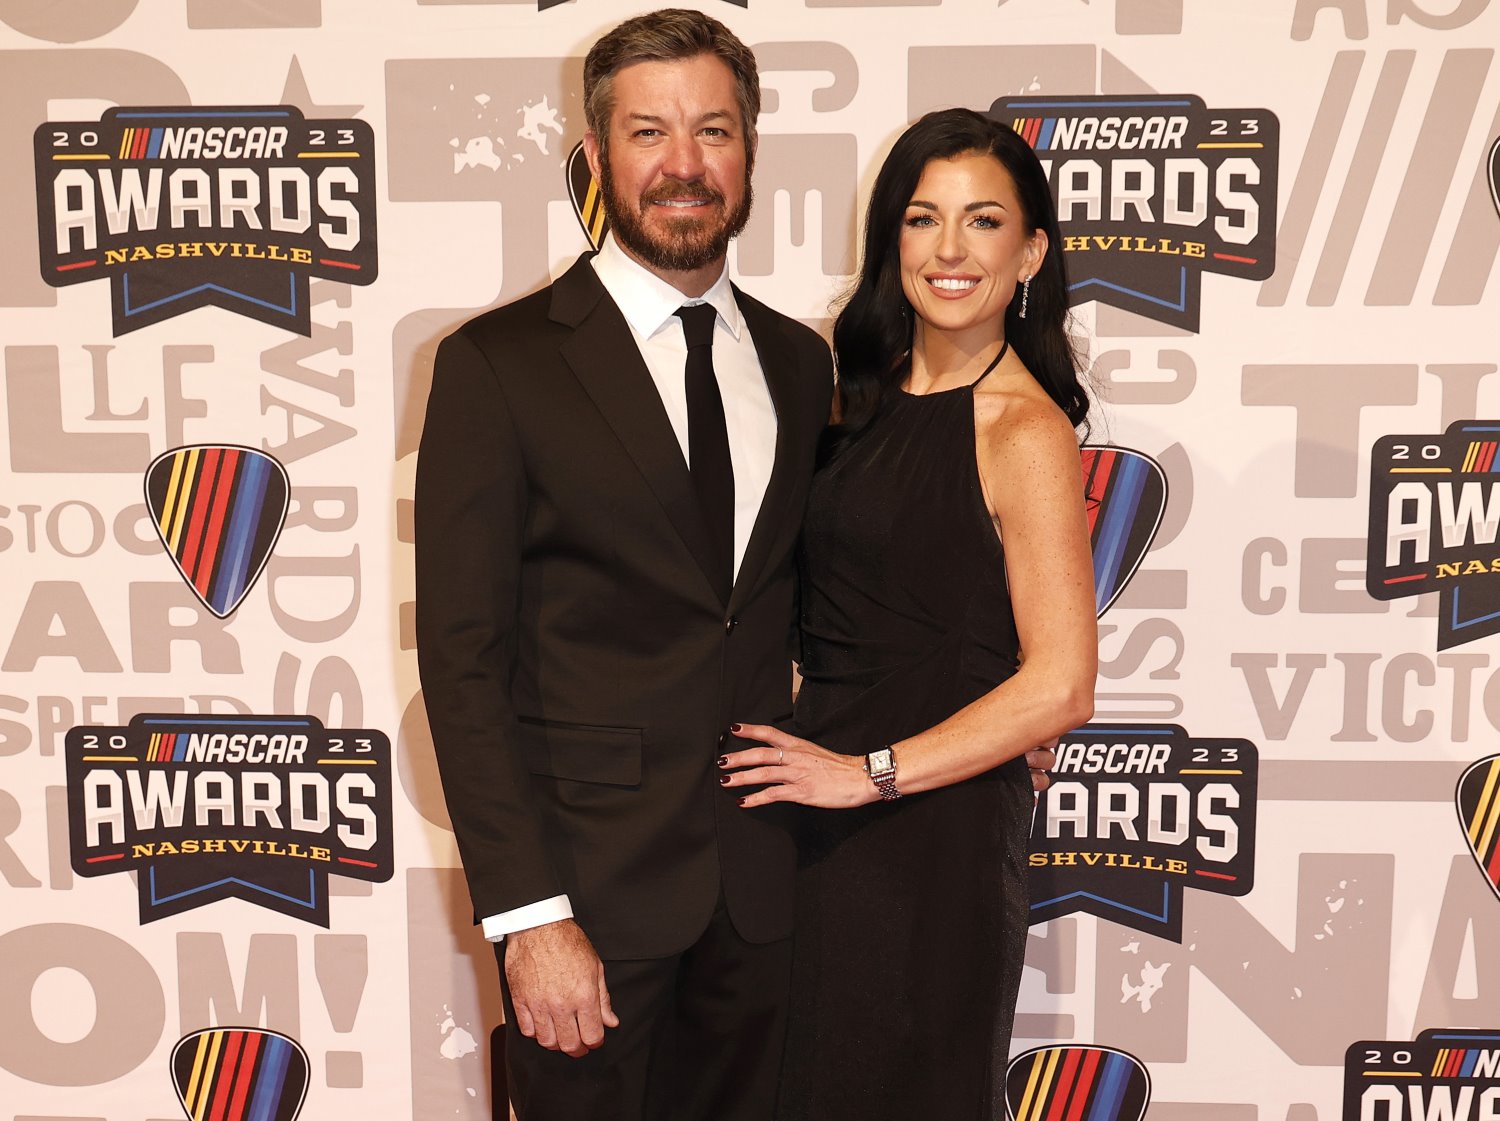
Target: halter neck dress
pixel 912 914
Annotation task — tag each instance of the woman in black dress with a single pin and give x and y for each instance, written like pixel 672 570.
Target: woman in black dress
pixel 947 624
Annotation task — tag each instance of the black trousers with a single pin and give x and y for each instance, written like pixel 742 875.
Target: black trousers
pixel 700 1039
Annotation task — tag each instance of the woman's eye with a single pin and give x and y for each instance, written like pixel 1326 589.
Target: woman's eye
pixel 919 219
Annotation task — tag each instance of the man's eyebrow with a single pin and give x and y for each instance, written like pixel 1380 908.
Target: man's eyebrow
pixel 711 115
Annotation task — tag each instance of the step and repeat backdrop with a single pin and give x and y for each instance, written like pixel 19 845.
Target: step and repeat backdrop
pixel 1265 879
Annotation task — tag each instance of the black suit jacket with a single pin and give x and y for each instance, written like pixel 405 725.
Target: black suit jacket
pixel 577 665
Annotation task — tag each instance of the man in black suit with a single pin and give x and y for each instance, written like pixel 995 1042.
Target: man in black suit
pixel 604 583
pixel 610 486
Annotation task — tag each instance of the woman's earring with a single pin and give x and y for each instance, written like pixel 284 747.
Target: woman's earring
pixel 1025 295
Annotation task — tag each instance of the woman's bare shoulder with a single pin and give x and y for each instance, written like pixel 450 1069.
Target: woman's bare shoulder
pixel 1014 416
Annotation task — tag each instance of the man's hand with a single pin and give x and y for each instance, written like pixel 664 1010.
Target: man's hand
pixel 557 987
pixel 1041 760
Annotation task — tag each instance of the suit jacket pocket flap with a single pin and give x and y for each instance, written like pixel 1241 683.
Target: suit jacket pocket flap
pixel 582 752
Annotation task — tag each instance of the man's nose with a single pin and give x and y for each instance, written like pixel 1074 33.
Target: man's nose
pixel 684 159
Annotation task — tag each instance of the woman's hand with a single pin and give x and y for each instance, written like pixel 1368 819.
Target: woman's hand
pixel 795 770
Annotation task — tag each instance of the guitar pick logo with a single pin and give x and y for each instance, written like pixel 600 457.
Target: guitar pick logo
pixel 1097 1083
pixel 1478 798
pixel 1126 493
pixel 218 510
pixel 588 199
pixel 240 1074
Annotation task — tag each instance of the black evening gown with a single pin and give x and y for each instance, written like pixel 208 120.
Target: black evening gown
pixel 912 914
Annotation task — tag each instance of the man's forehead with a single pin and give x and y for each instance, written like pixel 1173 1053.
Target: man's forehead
pixel 702 84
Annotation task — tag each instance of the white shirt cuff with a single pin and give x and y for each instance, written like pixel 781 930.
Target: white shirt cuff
pixel 496 927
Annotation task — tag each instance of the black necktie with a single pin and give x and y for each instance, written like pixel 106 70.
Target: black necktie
pixel 708 441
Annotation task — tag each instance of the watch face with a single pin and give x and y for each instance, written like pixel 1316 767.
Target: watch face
pixel 881 761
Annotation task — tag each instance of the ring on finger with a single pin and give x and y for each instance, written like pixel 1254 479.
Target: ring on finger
pixel 781 756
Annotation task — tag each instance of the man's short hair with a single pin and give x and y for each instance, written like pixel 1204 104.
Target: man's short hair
pixel 668 35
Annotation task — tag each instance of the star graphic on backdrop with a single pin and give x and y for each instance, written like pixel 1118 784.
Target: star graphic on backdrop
pixel 296 93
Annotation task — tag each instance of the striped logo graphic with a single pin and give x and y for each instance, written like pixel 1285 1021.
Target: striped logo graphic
pixel 1077 1084
pixel 239 1074
pixel 588 201
pixel 1127 496
pixel 218 509
pixel 1478 798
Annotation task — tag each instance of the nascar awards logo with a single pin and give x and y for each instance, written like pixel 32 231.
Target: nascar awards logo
pixel 1152 192
pixel 218 510
pixel 240 1074
pixel 201 808
pixel 1434 519
pixel 1445 1072
pixel 183 208
pixel 1137 814
pixel 1097 1083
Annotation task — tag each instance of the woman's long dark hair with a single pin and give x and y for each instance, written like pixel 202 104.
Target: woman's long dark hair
pixel 873 332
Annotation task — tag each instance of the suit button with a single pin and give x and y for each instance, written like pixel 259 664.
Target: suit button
pixel 729 624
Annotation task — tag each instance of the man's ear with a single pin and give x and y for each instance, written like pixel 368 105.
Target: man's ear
pixel 591 153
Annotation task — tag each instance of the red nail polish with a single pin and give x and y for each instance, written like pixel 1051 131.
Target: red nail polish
pixel 744 800
pixel 723 780
pixel 723 760
pixel 734 727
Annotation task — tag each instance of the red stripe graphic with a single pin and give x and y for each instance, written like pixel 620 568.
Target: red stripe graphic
pixel 1064 1085
pixel 242 1083
pixel 339 264
pixel 1493 871
pixel 216 522
pixel 110 856
pixel 202 494
pixel 1034 133
pixel 1455 1062
pixel 1489 455
pixel 142 138
pixel 1085 1085
pixel 360 863
pixel 1103 467
pixel 1213 875
pixel 224 1077
pixel 77 265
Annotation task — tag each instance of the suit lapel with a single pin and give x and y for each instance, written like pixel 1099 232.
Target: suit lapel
pixel 603 356
pixel 779 364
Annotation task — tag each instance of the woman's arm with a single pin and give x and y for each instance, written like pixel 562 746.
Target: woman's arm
pixel 1029 468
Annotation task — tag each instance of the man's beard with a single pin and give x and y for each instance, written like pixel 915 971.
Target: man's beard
pixel 687 243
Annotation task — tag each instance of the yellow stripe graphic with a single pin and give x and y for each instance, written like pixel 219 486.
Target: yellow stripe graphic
pixel 168 507
pixel 192 1088
pixel 1043 1085
pixel 1492 817
pixel 179 514
pixel 1469 457
pixel 125 138
pixel 204 1097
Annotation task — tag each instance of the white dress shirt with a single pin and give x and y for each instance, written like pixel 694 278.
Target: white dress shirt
pixel 649 305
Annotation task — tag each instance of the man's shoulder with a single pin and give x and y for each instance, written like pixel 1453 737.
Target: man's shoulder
pixel 519 317
pixel 535 315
